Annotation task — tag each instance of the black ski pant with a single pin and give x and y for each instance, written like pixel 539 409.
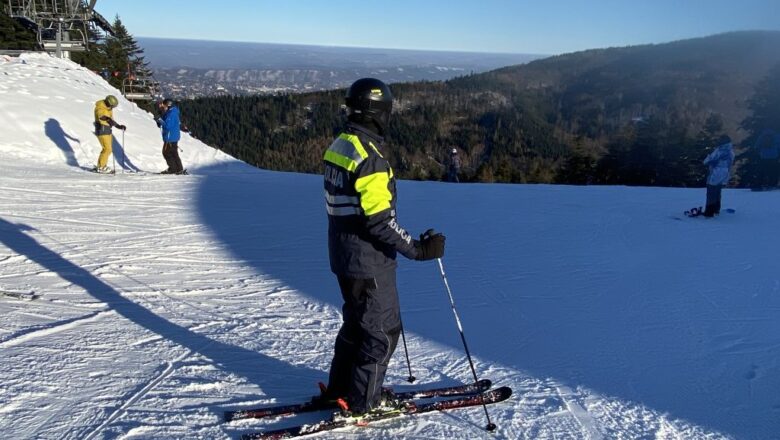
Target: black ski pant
pixel 713 200
pixel 453 175
pixel 171 155
pixel 366 340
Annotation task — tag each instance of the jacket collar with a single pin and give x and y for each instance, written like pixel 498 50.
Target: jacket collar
pixel 351 126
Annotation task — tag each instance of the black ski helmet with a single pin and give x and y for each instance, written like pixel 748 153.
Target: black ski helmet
pixel 369 99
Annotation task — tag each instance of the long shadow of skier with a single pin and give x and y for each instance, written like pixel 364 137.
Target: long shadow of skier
pixel 277 223
pixel 264 371
pixel 253 221
pixel 254 213
pixel 55 132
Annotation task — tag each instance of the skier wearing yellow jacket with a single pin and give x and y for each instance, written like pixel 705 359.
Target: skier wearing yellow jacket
pixel 104 120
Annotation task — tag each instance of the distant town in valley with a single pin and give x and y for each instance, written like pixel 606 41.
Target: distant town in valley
pixel 192 69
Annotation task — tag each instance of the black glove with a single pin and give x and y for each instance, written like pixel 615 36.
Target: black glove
pixel 121 127
pixel 159 123
pixel 430 246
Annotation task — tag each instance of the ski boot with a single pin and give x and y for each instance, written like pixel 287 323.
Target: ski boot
pixel 388 406
pixel 324 400
pixel 388 399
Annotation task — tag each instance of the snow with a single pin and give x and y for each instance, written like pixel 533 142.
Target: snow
pixel 165 300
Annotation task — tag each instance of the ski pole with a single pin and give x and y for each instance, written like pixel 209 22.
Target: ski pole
pixel 123 151
pixel 411 377
pixel 490 426
pixel 113 158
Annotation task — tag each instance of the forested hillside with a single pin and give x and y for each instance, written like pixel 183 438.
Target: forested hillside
pixel 642 115
pixel 13 36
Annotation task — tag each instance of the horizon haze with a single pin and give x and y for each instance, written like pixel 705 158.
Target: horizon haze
pixel 554 27
pixel 193 68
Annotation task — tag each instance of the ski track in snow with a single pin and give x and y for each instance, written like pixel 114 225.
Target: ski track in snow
pixel 166 300
pixel 583 417
pixel 33 333
pixel 169 368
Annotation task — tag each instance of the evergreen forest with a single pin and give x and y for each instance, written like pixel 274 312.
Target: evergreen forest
pixel 641 115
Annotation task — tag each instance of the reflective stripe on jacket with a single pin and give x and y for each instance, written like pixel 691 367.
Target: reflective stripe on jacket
pixel 101 109
pixel 363 233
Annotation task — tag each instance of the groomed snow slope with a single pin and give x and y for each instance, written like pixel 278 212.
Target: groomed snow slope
pixel 165 300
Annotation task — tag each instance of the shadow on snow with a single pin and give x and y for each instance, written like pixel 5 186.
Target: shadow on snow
pixel 277 223
pixel 264 371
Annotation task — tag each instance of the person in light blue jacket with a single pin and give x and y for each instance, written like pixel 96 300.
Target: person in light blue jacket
pixel 719 163
pixel 171 134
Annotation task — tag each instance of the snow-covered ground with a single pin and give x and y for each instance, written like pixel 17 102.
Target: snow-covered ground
pixel 165 300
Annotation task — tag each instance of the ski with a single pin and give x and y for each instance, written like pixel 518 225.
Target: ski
pixel 28 296
pixel 295 408
pixel 180 173
pixel 409 408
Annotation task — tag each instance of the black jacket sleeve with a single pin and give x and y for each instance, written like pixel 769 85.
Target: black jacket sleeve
pixel 385 228
pixel 110 121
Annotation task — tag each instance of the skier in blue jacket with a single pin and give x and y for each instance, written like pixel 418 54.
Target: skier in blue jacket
pixel 171 134
pixel 719 163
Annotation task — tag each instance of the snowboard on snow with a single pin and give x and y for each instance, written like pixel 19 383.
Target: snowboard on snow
pixel 699 212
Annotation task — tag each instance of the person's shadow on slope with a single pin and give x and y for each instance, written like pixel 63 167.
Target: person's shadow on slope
pixel 55 132
pixel 264 371
pixel 277 222
pixel 120 154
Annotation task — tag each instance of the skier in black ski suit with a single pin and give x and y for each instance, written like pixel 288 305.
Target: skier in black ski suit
pixel 454 168
pixel 363 240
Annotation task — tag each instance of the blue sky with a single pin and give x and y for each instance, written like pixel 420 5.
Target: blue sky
pixel 520 26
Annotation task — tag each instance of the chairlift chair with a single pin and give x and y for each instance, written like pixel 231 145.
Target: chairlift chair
pixel 61 26
pixel 140 89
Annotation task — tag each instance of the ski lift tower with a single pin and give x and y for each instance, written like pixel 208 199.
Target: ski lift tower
pixel 62 26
